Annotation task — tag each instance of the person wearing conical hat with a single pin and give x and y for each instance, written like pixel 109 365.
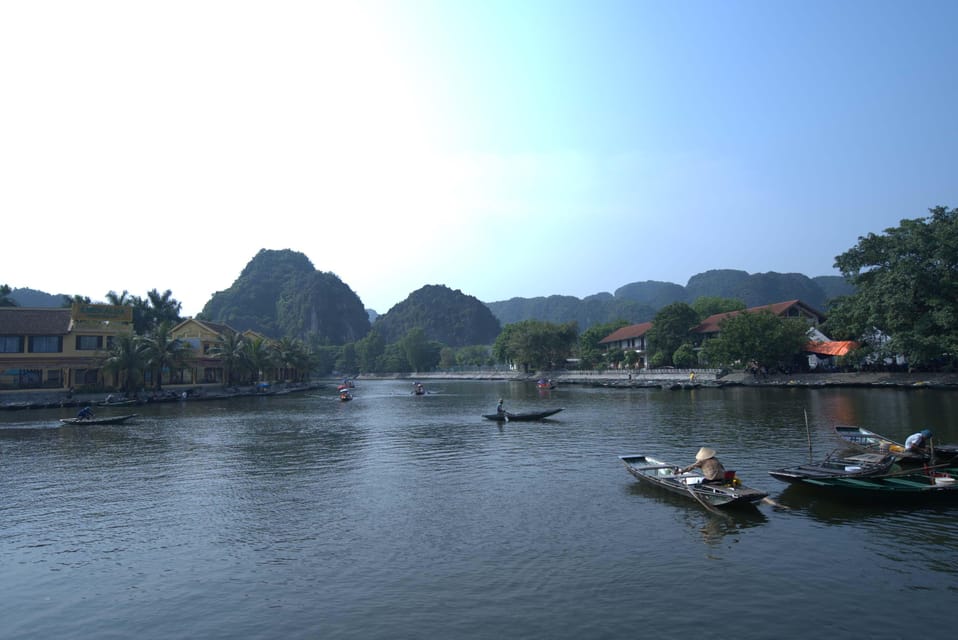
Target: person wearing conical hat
pixel 711 468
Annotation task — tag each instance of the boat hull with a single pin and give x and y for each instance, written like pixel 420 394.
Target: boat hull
pixel 657 473
pixel 520 417
pixel 105 420
pixel 914 487
pixel 855 466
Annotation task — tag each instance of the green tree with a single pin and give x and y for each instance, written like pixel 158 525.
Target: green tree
pixel 685 356
pixel 347 361
pixel 476 355
pixel 369 351
pixel 906 288
pixel 421 354
pixel 119 299
pixel 670 330
pixel 76 299
pixel 258 357
pixel 761 336
pixel 291 356
pixel 5 299
pixel 229 350
pixel 163 352
pixel 706 306
pixel 532 344
pixel 164 308
pixel 588 350
pixel 127 361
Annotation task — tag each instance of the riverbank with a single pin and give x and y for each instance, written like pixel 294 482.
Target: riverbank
pixel 671 379
pixel 44 399
pixel 681 379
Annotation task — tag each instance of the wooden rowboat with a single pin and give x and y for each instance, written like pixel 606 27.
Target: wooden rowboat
pixel 102 420
pixel 654 472
pixel 871 441
pixel 520 417
pixel 911 486
pixel 839 466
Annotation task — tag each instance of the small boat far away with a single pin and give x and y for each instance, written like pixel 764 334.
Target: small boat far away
pixel 100 420
pixel 508 416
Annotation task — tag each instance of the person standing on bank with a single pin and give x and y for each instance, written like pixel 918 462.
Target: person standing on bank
pixel 711 468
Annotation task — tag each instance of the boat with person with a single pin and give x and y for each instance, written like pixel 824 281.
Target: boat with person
pixel 870 441
pixel 508 416
pixel 730 492
pixel 839 465
pixel 98 419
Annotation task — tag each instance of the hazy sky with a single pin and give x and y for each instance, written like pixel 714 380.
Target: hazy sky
pixel 517 148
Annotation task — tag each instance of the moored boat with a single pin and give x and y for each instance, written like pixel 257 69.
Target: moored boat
pixel 839 466
pixel 728 493
pixel 871 441
pixel 508 416
pixel 98 420
pixel 914 485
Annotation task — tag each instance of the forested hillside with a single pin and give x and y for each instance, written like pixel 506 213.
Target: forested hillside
pixel 445 315
pixel 639 301
pixel 280 293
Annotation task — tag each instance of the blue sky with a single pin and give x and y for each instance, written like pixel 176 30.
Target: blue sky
pixel 501 148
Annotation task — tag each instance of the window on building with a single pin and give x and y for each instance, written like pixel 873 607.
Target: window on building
pixel 89 343
pixel 54 378
pixel 45 344
pixel 11 344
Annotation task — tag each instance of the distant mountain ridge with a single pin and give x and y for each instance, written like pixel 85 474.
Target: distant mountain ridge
pixel 281 293
pixel 639 301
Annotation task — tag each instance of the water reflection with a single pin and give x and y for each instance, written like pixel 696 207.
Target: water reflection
pixel 712 525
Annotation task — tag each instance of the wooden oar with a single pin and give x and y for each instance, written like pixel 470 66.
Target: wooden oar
pixel 703 502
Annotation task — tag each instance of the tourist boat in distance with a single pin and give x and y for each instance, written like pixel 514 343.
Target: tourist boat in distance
pixel 520 417
pixel 345 395
pixel 542 383
pixel 98 420
pixel 871 441
pixel 654 472
pixel 839 466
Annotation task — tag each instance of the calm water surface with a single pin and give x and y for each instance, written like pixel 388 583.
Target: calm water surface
pixel 410 517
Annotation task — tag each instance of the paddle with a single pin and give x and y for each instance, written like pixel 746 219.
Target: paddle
pixel 700 500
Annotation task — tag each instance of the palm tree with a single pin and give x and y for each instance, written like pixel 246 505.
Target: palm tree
pixel 165 307
pixel 164 352
pixel 258 357
pixel 230 350
pixel 290 354
pixel 76 299
pixel 119 299
pixel 126 360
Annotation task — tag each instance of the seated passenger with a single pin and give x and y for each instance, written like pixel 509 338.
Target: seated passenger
pixel 711 468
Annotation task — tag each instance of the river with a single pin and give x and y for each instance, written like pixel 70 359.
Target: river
pixel 406 516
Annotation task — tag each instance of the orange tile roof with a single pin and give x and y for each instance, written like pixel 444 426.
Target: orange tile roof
pixel 711 324
pixel 626 333
pixel 833 348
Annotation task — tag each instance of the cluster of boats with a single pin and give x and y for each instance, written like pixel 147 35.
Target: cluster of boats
pixel 870 466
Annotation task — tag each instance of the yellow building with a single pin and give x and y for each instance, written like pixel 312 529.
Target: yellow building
pixel 201 336
pixel 50 348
